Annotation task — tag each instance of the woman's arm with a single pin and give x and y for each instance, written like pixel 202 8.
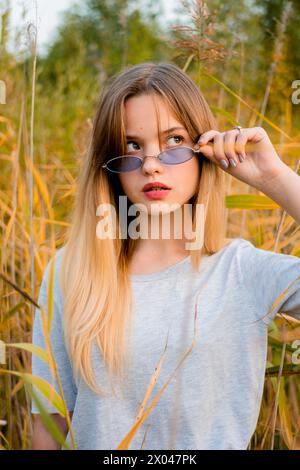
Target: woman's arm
pixel 41 438
pixel 261 168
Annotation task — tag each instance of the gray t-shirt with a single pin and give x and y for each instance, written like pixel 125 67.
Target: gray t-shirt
pixel 213 401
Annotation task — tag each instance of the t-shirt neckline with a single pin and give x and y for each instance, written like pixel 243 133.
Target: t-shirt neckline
pixel 181 266
pixel 165 272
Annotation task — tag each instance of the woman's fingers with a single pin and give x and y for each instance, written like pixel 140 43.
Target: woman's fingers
pixel 240 144
pixel 228 147
pixel 211 151
pixel 219 148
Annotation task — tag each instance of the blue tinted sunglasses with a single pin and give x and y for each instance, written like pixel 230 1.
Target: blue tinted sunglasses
pixel 173 156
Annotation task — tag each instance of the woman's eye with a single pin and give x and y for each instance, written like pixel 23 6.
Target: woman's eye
pixel 133 148
pixel 177 137
pixel 135 145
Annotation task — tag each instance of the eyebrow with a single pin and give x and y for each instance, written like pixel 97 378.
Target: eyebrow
pixel 176 128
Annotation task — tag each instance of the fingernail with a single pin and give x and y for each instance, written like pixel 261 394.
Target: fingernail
pixel 224 164
pixel 232 162
pixel 241 158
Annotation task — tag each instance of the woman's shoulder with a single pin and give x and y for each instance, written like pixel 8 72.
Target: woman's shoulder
pixel 233 242
pixel 236 241
pixel 51 273
pixel 55 259
pixel 233 246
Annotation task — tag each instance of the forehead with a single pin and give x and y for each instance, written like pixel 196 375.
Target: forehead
pixel 144 112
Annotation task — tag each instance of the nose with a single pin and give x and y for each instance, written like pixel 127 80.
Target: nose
pixel 150 161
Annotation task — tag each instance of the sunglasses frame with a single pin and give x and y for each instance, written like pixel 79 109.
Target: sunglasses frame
pixel 141 158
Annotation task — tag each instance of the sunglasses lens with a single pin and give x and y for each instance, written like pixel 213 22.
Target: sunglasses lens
pixel 124 164
pixel 176 155
pixel 127 163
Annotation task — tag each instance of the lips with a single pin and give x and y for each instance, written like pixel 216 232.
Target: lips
pixel 154 185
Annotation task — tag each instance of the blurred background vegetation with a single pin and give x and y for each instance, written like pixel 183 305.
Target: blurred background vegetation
pixel 244 56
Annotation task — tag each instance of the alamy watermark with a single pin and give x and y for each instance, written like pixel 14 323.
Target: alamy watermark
pixel 164 221
pixel 296 93
pixel 296 354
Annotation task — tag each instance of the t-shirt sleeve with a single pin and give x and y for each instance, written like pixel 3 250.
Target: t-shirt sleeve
pixel 39 367
pixel 266 276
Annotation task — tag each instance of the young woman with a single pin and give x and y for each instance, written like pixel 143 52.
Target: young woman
pixel 119 300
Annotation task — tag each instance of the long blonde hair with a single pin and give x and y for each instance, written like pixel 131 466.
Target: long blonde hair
pixel 93 274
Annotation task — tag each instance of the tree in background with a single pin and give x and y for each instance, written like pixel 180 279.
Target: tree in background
pixel 279 23
pixel 94 40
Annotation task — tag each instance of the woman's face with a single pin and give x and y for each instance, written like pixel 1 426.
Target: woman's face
pixel 140 122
